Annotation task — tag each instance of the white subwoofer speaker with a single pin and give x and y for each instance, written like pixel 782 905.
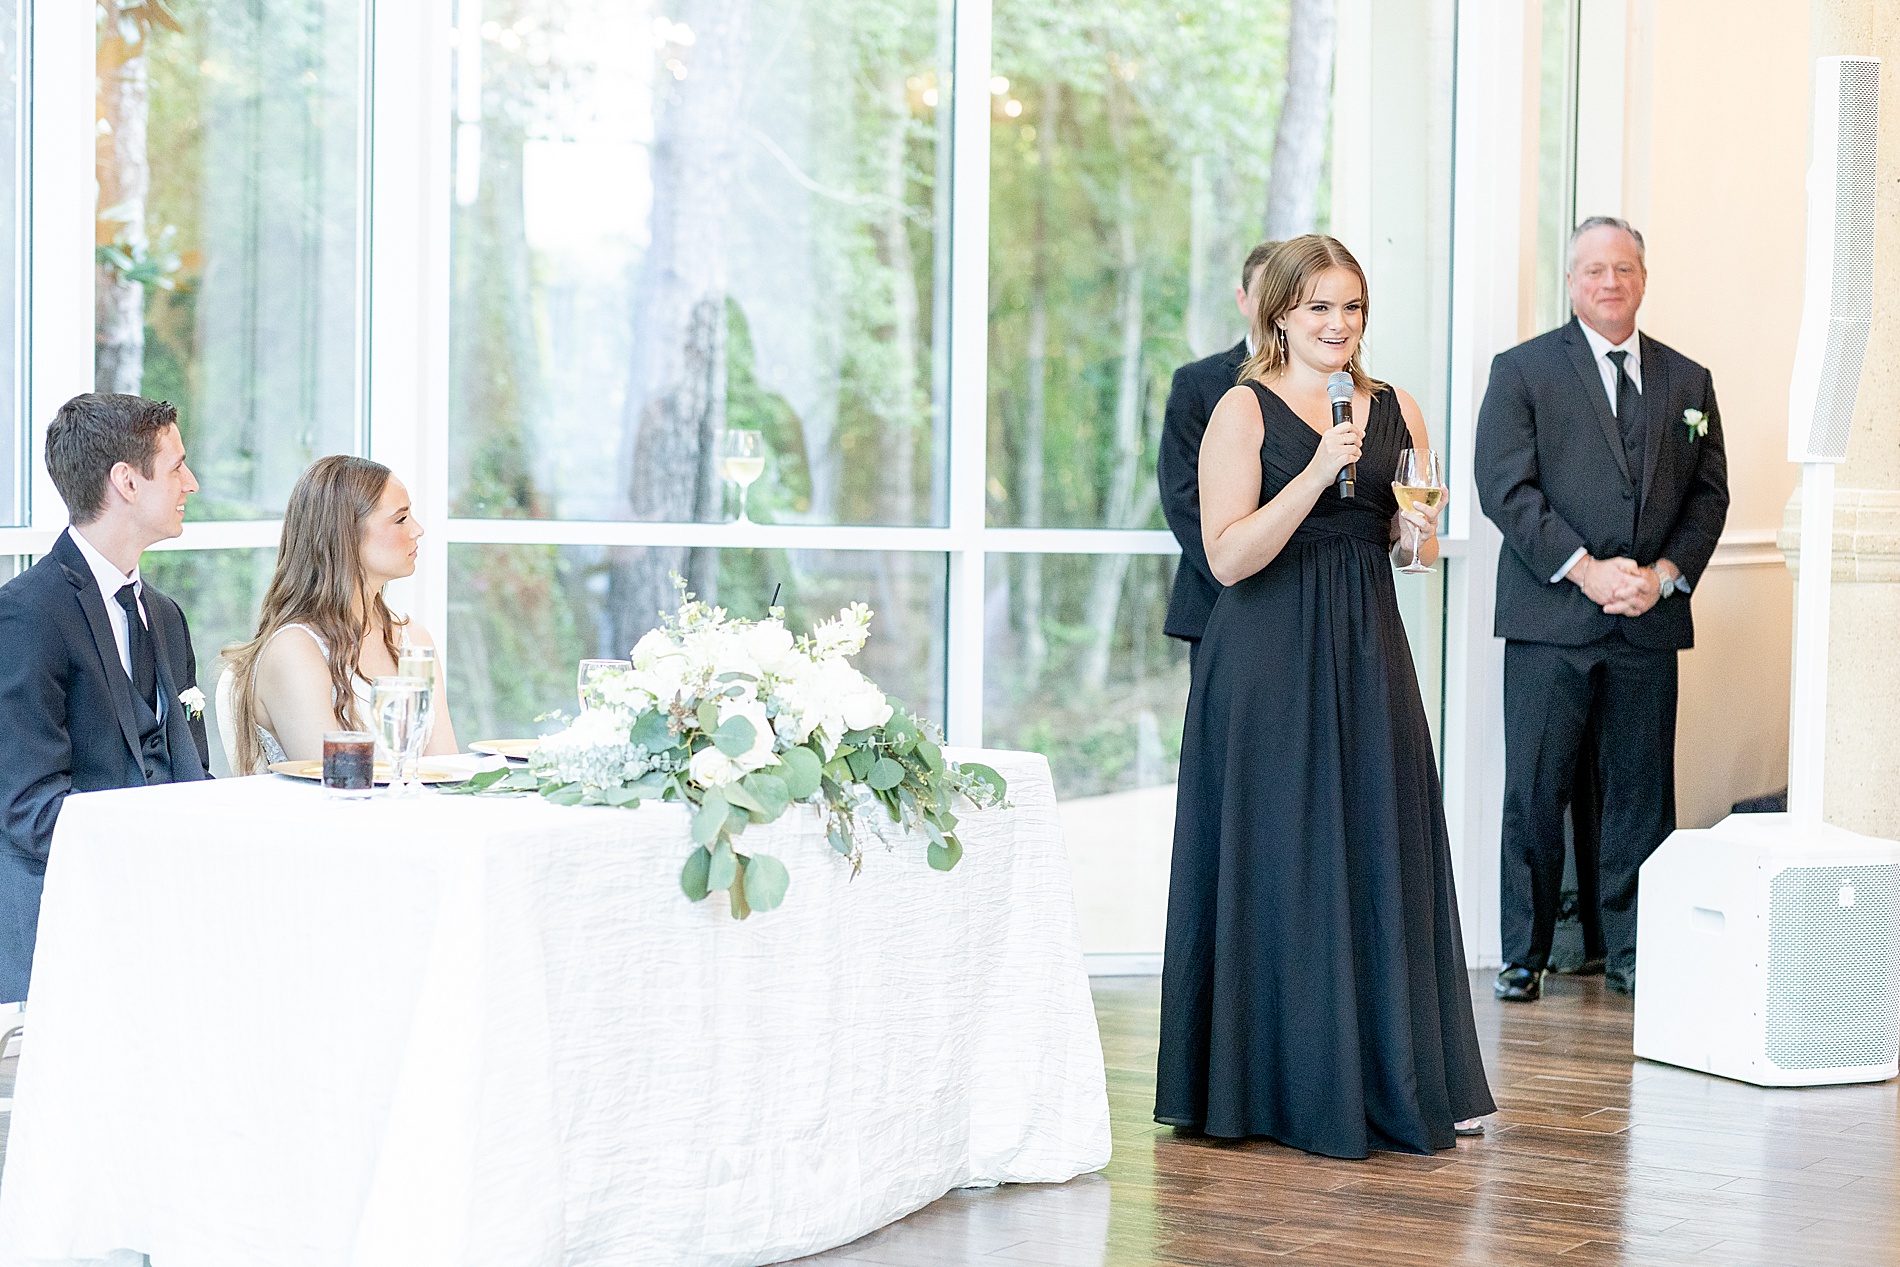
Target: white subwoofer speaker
pixel 1766 944
pixel 1767 953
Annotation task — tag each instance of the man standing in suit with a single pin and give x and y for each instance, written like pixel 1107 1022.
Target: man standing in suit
pixel 1198 387
pixel 1599 457
pixel 98 684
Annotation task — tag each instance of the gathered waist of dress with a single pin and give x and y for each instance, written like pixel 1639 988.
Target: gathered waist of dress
pixel 1367 528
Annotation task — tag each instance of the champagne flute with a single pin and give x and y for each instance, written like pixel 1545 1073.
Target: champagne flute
pixel 591 673
pixel 420 663
pixel 396 707
pixel 1418 483
pixel 742 460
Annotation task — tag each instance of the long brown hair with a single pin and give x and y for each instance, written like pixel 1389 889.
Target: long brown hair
pixel 1286 280
pixel 319 582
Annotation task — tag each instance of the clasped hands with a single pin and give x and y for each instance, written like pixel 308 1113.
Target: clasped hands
pixel 1620 586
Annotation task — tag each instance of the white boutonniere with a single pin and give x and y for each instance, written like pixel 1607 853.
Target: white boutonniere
pixel 194 701
pixel 1697 422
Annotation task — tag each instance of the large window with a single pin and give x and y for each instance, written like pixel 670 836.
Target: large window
pixel 523 615
pixel 1129 177
pixel 229 172
pixel 673 220
pixel 942 258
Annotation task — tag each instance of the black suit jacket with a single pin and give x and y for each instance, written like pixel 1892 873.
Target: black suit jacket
pixel 69 723
pixel 1552 475
pixel 1197 388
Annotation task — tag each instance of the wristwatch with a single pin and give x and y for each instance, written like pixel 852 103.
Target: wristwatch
pixel 1668 585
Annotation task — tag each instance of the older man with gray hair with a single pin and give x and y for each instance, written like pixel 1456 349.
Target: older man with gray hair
pixel 1599 457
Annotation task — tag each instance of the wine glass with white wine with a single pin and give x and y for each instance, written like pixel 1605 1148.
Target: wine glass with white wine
pixel 742 460
pixel 1418 484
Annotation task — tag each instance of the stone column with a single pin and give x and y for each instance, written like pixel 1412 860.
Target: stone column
pixel 1863 742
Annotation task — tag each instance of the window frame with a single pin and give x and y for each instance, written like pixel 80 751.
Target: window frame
pixel 404 210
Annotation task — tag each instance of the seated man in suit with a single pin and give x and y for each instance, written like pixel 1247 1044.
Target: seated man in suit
pixel 98 684
pixel 1197 388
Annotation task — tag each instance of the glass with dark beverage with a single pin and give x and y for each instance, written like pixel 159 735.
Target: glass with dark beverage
pixel 349 764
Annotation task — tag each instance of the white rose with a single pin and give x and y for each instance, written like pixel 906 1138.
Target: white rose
pixel 731 657
pixel 769 645
pixel 621 690
pixel 866 710
pixel 759 754
pixel 598 727
pixel 661 677
pixel 710 768
pixel 652 645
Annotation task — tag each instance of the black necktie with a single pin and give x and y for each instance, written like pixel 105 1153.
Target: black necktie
pixel 1629 416
pixel 138 645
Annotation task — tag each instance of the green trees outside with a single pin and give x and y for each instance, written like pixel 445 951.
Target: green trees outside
pixel 776 269
pixel 1137 153
pixel 226 234
pixel 226 267
pixel 726 213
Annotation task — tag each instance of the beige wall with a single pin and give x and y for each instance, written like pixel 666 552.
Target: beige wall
pixel 1716 161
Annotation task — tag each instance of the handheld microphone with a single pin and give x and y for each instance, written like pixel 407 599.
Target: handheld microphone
pixel 1339 391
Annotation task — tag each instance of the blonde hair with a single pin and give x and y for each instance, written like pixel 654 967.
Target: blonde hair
pixel 319 582
pixel 1286 281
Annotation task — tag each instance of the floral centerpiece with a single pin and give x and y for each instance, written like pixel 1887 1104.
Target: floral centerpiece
pixel 742 721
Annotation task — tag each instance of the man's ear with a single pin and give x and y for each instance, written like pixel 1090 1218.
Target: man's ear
pixel 124 480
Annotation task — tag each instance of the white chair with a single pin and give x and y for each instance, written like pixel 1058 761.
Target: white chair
pixel 227 720
pixel 12 1025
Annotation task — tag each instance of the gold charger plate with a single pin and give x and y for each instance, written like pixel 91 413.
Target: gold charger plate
pixel 513 749
pixel 429 772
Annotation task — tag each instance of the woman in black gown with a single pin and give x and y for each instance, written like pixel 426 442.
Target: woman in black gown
pixel 1314 986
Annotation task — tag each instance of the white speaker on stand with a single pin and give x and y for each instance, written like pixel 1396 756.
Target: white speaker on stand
pixel 1767 943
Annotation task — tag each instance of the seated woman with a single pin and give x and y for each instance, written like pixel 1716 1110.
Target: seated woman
pixel 325 631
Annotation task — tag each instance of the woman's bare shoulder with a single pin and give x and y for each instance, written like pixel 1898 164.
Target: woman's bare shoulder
pixel 1414 417
pixel 1238 407
pixel 292 652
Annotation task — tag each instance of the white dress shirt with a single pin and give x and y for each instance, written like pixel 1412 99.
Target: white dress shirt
pixel 110 581
pixel 1600 349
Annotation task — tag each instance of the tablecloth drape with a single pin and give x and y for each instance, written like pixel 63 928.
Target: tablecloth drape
pixel 266 1027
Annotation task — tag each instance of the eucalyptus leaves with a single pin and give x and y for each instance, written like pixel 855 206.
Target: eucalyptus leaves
pixel 742 721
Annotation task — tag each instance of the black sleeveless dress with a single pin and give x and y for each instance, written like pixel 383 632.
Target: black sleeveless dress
pixel 1314 986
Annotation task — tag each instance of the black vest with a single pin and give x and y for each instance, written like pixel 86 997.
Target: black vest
pixel 155 750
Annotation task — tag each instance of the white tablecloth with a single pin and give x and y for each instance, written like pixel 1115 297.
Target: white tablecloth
pixel 268 1028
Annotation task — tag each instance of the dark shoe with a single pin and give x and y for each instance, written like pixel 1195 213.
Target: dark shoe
pixel 1588 968
pixel 1621 982
pixel 1519 985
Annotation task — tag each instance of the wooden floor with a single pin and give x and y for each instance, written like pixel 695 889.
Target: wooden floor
pixel 1593 1158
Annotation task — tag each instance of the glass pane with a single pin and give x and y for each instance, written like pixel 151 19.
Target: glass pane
pixel 220 592
pixel 672 221
pixel 1129 179
pixel 13 424
pixel 1403 238
pixel 1422 608
pixel 1556 157
pixel 229 175
pixel 1080 671
pixel 1076 667
pixel 521 617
